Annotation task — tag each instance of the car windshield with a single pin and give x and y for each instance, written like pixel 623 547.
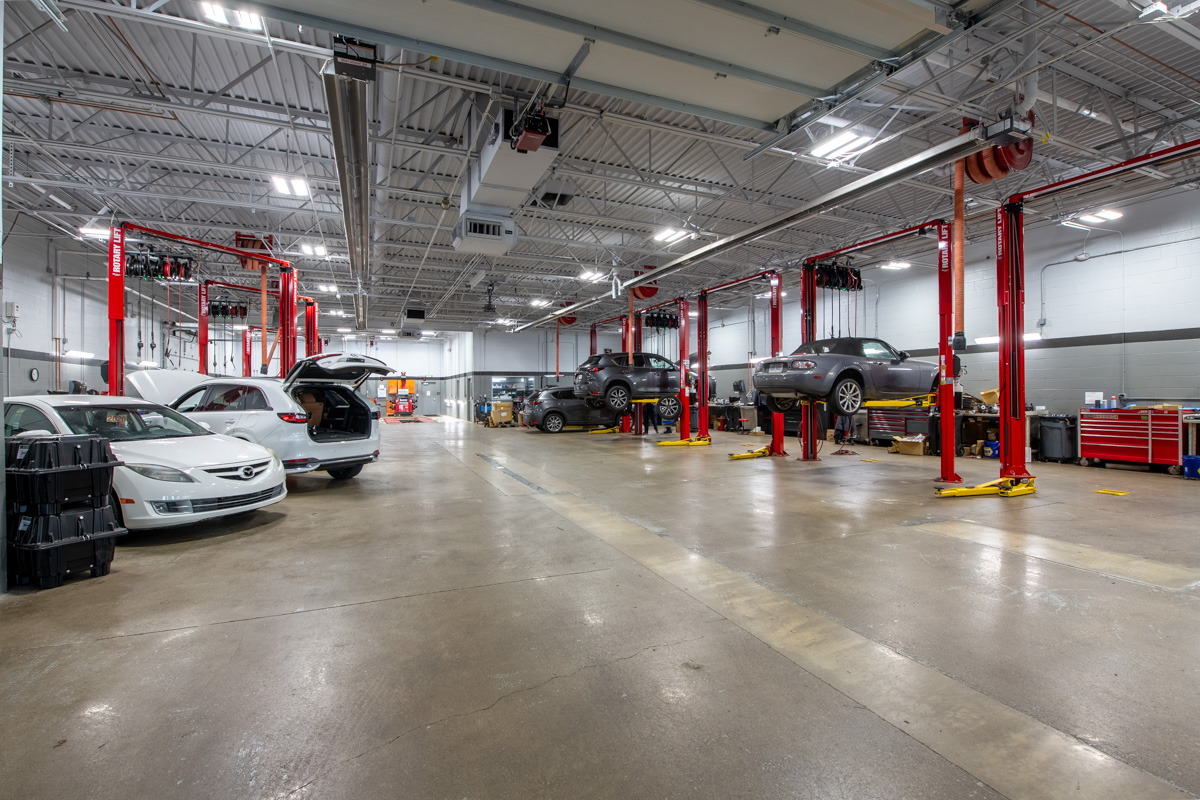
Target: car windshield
pixel 129 423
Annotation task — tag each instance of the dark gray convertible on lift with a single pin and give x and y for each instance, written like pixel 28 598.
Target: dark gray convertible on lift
pixel 844 373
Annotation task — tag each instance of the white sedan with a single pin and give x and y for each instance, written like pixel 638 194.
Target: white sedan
pixel 176 471
pixel 314 419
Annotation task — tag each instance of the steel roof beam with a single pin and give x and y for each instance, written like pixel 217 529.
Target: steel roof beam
pixel 801 28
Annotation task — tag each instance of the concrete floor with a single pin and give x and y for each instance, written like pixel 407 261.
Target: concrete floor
pixel 507 614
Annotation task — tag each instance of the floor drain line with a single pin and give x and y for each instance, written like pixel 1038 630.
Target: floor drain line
pixel 512 474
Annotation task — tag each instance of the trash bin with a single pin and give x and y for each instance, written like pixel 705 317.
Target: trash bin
pixel 935 433
pixel 1059 437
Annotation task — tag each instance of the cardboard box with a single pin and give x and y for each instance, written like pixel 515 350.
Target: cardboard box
pixel 502 412
pixel 829 435
pixel 908 446
pixel 991 397
pixel 1166 407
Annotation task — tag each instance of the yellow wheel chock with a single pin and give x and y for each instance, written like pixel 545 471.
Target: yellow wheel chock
pixel 1004 487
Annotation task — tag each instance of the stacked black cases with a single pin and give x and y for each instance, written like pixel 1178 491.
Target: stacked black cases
pixel 59 519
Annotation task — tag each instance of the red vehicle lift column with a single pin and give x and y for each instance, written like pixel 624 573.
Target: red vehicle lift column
pixel 116 311
pixel 776 350
pixel 685 414
pixel 1010 298
pixel 808 333
pixel 287 320
pixel 626 344
pixel 312 333
pixel 202 326
pixel 639 425
pixel 949 442
pixel 246 354
pixel 702 362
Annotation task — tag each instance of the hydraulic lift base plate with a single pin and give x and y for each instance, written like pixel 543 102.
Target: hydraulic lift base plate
pixel 1004 487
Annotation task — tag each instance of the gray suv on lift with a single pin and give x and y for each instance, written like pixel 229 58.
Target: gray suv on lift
pixel 618 380
pixel 551 410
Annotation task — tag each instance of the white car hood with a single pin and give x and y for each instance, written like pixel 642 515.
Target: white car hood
pixel 190 452
pixel 162 386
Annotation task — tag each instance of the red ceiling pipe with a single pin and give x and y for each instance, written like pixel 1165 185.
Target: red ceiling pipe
pixel 220 248
pixel 116 311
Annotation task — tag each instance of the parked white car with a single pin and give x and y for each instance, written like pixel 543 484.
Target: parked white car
pixel 176 472
pixel 314 419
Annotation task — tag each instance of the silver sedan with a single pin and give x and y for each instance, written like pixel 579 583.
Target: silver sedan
pixel 843 372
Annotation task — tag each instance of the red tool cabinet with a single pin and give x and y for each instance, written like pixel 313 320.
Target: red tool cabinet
pixel 1138 437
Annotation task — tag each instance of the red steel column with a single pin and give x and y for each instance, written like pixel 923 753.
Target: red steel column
pixel 312 328
pixel 945 352
pixel 626 338
pixel 702 361
pixel 1010 299
pixel 776 351
pixel 246 354
pixel 639 425
pixel 808 333
pixel 116 311
pixel 593 342
pixel 287 320
pixel 202 326
pixel 685 415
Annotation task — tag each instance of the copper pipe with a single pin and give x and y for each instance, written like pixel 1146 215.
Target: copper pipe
pixel 960 231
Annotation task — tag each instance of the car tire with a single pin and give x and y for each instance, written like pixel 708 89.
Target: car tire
pixel 554 422
pixel 617 397
pixel 344 473
pixel 847 396
pixel 669 408
pixel 118 514
pixel 779 405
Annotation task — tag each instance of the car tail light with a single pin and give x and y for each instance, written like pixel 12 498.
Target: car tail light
pixel 375 414
pixel 535 402
pixel 291 416
pixel 591 369
pixel 803 365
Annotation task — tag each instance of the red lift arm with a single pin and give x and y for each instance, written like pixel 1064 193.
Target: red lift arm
pixel 808 298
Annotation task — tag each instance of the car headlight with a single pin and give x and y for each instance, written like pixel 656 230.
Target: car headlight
pixel 803 365
pixel 160 473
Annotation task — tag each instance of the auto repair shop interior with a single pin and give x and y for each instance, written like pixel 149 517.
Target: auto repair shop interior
pixel 662 399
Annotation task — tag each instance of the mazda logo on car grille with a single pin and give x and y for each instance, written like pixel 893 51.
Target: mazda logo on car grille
pixel 247 472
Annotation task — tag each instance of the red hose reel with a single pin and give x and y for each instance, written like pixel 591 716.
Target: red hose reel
pixel 997 161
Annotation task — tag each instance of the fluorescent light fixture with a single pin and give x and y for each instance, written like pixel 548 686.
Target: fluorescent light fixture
pixel 539 303
pixel 215 13
pixel 387 338
pixel 147 364
pixel 240 327
pixel 1091 218
pixel 387 330
pixel 1033 337
pixel 767 295
pixel 319 249
pixel 79 354
pixel 350 336
pixel 343 330
pixel 281 184
pixel 1087 112
pixel 591 276
pixel 672 235
pixel 94 233
pixel 247 20
pixel 306 249
pixel 895 265
pixel 839 145
pixel 336 312
pixel 504 321
pixel 56 199
pixel 290 186
pixel 1153 8
pixel 987 340
pixel 1109 214
pixel 693 313
pixel 425 333
pixel 1070 223
pixel 300 187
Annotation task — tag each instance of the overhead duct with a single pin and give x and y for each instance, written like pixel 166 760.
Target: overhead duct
pixel 346 99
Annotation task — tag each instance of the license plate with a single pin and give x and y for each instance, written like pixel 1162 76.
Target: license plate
pixel 774 367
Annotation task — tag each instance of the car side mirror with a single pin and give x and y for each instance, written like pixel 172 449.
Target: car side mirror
pixel 204 425
pixel 903 355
